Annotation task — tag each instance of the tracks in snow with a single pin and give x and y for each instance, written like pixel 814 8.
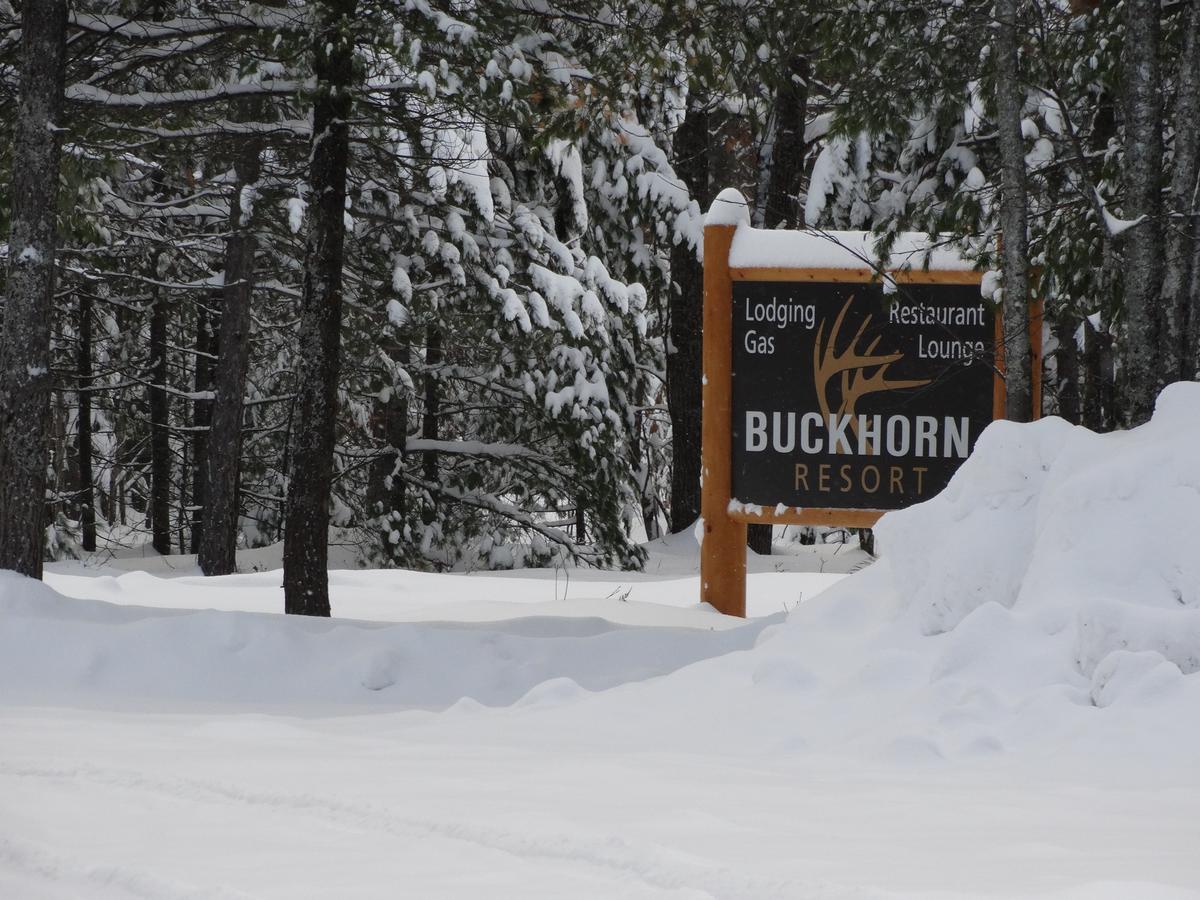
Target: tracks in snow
pixel 608 854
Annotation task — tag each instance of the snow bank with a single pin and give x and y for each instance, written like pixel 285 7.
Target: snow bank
pixel 1095 534
pixel 55 649
pixel 1049 597
pixel 1046 605
pixel 1047 602
pixel 1035 624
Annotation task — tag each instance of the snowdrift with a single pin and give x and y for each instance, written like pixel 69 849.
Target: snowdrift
pixel 1048 598
pixel 1095 538
pixel 71 651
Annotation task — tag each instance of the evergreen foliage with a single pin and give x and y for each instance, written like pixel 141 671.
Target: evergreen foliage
pixel 525 181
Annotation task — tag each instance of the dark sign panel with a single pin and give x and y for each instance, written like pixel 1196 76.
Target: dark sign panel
pixel 845 397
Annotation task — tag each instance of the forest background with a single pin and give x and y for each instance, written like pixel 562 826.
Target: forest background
pixel 429 273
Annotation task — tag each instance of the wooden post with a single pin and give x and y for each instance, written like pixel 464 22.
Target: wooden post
pixel 723 552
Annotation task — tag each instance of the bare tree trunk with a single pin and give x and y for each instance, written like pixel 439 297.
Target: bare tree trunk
pixel 1066 364
pixel 218 543
pixel 1143 181
pixel 686 310
pixel 29 293
pixel 1183 222
pixel 385 487
pixel 181 515
pixel 160 435
pixel 1098 386
pixel 1191 359
pixel 206 348
pixel 85 452
pixel 306 535
pixel 1014 212
pixel 647 496
pixel 781 206
pixel 787 152
pixel 429 418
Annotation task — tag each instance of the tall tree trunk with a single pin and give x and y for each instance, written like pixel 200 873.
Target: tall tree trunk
pixel 160 435
pixel 206 348
pixel 385 487
pixel 83 370
pixel 1066 364
pixel 181 515
pixel 1191 359
pixel 647 496
pixel 429 418
pixel 1143 181
pixel 1014 210
pixel 1099 388
pixel 306 535
pixel 29 293
pixel 782 205
pixel 686 310
pixel 218 542
pixel 1183 222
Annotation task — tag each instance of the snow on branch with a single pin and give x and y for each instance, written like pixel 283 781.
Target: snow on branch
pixel 87 93
pixel 494 504
pixel 253 17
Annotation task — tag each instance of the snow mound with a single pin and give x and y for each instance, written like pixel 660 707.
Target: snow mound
pixel 72 651
pixel 1091 533
pixel 728 208
pixel 1050 594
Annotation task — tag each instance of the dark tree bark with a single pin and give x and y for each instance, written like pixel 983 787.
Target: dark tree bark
pixel 429 417
pixel 206 348
pixel 29 293
pixel 1098 386
pixel 85 452
pixel 218 543
pixel 866 540
pixel 1191 359
pixel 1014 212
pixel 648 498
pixel 1177 293
pixel 181 514
pixel 306 535
pixel 1143 183
pixel 759 538
pixel 385 488
pixel 686 311
pixel 782 207
pixel 1066 364
pixel 160 435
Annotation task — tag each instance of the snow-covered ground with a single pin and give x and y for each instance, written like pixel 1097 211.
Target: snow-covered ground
pixel 1005 705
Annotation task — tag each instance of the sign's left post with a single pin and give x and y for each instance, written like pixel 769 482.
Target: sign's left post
pixel 723 551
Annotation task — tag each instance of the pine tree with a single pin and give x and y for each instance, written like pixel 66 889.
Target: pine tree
pixel 29 291
pixel 306 537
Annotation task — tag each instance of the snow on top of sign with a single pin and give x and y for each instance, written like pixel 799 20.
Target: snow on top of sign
pixel 759 248
pixel 728 209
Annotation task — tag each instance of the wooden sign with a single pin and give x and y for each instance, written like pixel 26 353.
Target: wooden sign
pixel 849 398
pixel 833 392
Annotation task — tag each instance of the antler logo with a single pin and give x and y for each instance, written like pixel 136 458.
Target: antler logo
pixel 852 364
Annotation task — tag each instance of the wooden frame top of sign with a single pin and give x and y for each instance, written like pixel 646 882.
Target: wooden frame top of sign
pixel 857 276
pixel 723 556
